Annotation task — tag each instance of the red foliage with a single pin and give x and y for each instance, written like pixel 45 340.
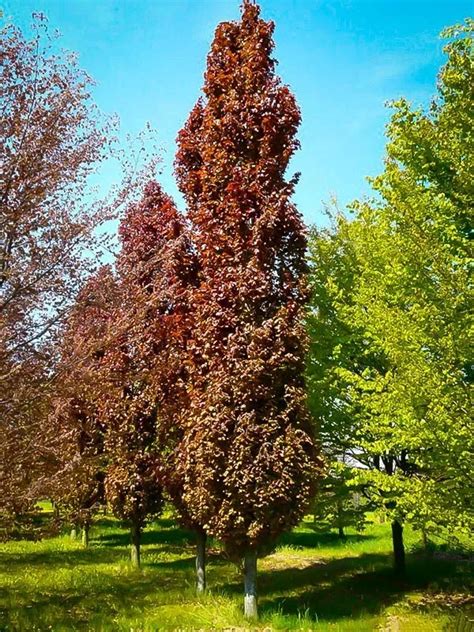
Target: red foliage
pixel 145 369
pixel 248 460
pixel 52 138
pixel 73 438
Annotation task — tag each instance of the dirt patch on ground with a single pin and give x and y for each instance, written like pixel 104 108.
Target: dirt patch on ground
pixel 298 562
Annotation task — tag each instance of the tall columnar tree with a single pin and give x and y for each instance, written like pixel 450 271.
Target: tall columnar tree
pixel 127 411
pixel 248 457
pixel 133 483
pixel 144 372
pixel 156 267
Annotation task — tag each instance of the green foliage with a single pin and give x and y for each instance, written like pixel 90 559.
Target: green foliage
pixel 392 307
pixel 339 503
pixel 335 345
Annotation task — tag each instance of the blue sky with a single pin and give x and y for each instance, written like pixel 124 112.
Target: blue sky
pixel 342 58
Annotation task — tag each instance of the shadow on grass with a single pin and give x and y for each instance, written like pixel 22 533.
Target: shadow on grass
pixel 51 560
pixel 61 558
pixel 350 586
pixel 187 563
pixel 81 606
pixel 317 539
pixel 111 549
pixel 33 526
pixel 158 533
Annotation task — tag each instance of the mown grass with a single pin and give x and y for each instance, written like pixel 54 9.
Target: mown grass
pixel 311 581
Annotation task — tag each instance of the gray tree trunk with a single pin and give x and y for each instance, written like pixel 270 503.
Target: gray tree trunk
pixel 135 537
pixel 250 584
pixel 200 561
pixel 85 534
pixel 74 532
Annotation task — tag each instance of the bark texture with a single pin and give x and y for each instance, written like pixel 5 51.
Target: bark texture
pixel 250 584
pixel 135 540
pixel 201 562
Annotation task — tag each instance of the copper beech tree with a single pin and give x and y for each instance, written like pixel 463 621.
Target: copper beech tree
pixel 73 438
pixel 52 138
pixel 248 460
pixel 127 412
pixel 144 370
pixel 49 140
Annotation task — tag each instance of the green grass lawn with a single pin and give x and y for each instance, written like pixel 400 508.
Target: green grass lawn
pixel 311 582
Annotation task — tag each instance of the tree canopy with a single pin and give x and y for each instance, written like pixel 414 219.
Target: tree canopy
pixel 392 311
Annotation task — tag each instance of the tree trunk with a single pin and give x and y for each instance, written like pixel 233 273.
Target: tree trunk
pixel 135 537
pixel 74 532
pixel 250 584
pixel 424 537
pixel 200 561
pixel 398 547
pixel 85 534
pixel 55 509
pixel 340 525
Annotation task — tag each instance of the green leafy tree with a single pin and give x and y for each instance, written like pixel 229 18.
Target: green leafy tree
pixel 335 345
pixel 339 503
pixel 406 311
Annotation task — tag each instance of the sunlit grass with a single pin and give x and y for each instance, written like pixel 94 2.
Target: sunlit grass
pixel 311 581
